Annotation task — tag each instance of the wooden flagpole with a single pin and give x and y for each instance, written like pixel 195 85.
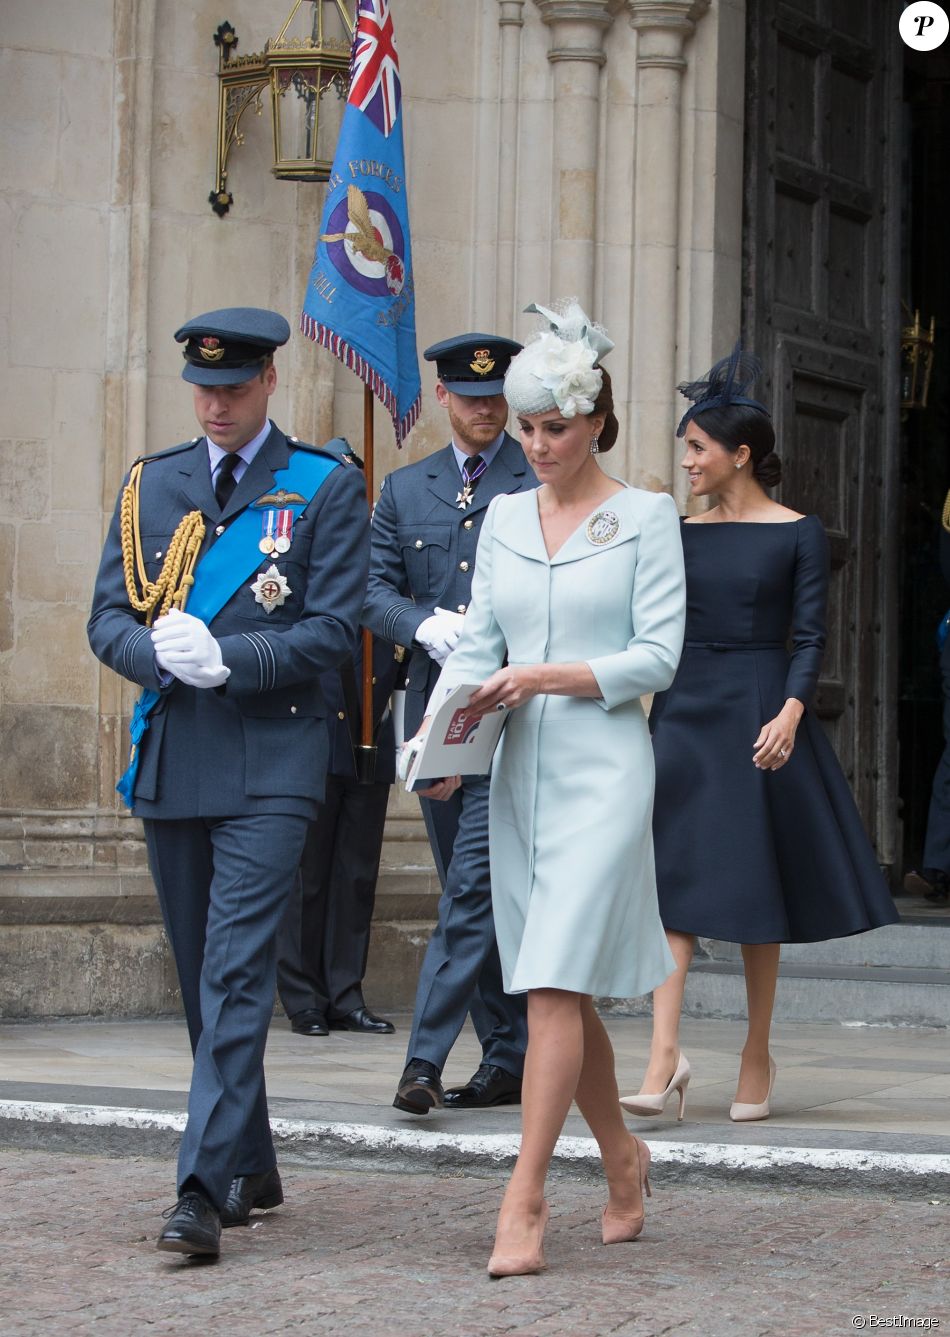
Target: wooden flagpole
pixel 366 753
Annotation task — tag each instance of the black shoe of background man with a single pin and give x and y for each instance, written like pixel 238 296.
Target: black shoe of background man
pixel 420 1088
pixel 932 886
pixel 310 1022
pixel 248 1192
pixel 194 1227
pixel 361 1019
pixel 488 1086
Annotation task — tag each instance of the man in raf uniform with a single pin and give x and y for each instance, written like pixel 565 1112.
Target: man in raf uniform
pixel 268 541
pixel 424 537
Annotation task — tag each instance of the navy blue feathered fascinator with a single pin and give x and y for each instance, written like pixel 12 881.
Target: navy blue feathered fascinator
pixel 725 383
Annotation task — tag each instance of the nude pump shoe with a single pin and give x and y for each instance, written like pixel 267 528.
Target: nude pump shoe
pixel 521 1265
pixel 650 1106
pixel 741 1112
pixel 617 1227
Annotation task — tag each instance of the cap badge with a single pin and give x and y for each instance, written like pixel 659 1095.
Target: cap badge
pixel 603 528
pixel 483 363
pixel 211 349
pixel 271 589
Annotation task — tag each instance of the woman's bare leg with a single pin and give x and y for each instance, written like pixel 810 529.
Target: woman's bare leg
pixel 598 1100
pixel 761 975
pixel 553 1064
pixel 667 1008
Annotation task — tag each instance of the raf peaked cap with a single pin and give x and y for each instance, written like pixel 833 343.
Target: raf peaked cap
pixel 230 346
pixel 473 364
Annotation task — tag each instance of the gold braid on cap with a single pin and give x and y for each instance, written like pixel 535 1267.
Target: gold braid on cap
pixel 176 577
pixel 945 518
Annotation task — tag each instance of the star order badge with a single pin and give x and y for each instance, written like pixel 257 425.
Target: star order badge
pixel 464 498
pixel 271 589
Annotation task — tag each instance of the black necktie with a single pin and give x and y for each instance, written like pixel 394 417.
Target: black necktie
pixel 224 482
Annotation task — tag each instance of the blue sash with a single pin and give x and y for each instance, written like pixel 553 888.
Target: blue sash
pixel 221 572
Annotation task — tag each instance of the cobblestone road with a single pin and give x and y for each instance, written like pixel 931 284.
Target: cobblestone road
pixel 400 1255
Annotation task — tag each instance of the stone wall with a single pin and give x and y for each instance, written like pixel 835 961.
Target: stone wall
pixel 555 147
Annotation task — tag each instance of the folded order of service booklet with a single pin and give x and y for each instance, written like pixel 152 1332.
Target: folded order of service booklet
pixel 457 744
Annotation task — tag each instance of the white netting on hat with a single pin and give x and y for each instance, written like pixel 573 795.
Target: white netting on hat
pixel 557 368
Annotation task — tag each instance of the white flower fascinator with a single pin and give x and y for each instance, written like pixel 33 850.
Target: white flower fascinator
pixel 558 368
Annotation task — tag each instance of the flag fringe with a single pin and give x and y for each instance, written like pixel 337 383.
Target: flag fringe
pixel 367 373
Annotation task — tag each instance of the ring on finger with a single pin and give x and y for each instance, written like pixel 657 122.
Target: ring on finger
pixel 782 752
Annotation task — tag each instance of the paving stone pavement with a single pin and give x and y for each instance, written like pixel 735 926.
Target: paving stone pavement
pixel 397 1255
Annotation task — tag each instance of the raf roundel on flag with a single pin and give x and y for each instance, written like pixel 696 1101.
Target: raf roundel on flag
pixel 360 300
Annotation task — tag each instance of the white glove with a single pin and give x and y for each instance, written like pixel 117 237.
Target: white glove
pixel 407 755
pixel 185 648
pixel 439 634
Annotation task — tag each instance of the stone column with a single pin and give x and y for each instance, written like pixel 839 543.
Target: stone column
pixel 577 37
pixel 663 27
pixel 511 22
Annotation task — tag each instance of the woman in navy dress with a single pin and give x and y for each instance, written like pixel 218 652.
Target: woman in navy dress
pixel 757 837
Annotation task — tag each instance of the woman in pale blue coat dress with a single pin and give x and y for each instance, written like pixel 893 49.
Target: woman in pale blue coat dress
pixel 580 585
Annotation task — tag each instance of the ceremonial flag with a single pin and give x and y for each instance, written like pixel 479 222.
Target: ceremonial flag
pixel 360 300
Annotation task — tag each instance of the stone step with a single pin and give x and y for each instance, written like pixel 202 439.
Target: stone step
pixel 917 946
pixel 869 995
pixel 407 854
pixel 396 949
pixel 407 894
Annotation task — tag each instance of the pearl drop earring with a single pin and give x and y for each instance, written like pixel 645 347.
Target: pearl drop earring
pixel 594 445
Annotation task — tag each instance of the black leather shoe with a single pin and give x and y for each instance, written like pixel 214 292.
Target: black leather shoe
pixel 309 1023
pixel 361 1019
pixel 194 1227
pixel 488 1086
pixel 250 1191
pixel 420 1088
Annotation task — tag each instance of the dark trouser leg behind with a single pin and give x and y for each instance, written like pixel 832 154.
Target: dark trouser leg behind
pixel 461 970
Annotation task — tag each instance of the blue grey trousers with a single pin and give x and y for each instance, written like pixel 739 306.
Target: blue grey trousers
pixel 223 884
pixel 461 972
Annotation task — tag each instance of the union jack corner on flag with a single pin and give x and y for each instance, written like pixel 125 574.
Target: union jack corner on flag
pixel 360 301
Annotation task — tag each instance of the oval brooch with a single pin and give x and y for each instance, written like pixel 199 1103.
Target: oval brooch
pixel 603 528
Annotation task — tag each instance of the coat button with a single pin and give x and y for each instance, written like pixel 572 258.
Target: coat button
pixel 463 566
pixel 340 715
pixel 158 554
pixel 293 710
pixel 461 608
pixel 219 530
pixel 418 543
pixel 469 524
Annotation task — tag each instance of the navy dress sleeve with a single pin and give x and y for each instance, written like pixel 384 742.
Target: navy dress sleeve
pixel 809 605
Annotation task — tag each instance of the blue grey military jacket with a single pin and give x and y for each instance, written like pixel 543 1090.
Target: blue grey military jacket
pixel 260 742
pixel 423 552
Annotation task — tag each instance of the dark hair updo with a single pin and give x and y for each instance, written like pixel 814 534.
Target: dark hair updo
pixel 604 403
pixel 737 425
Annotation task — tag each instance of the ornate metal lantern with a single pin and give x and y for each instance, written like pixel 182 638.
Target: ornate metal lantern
pixel 917 356
pixel 308 57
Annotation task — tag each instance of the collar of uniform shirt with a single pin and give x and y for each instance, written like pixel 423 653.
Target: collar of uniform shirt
pixel 246 453
pixel 488 454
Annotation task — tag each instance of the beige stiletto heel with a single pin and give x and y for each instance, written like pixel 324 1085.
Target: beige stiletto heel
pixel 618 1227
pixel 742 1112
pixel 521 1265
pixel 650 1106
